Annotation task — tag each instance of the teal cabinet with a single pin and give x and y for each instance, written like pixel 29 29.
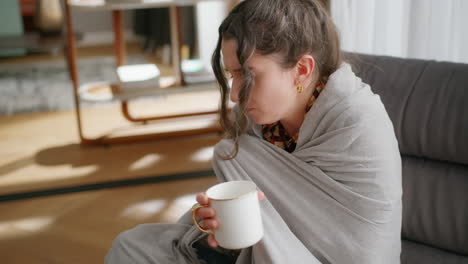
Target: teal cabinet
pixel 11 25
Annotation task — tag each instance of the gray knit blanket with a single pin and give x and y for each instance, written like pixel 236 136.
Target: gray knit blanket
pixel 335 199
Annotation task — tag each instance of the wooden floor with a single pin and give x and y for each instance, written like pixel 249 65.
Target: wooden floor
pixel 79 228
pixel 41 150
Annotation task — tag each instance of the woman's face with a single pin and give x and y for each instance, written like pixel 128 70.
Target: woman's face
pixel 274 95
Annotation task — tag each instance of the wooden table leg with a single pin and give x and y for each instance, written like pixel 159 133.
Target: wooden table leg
pixel 176 32
pixel 71 50
pixel 176 36
pixel 121 55
pixel 119 37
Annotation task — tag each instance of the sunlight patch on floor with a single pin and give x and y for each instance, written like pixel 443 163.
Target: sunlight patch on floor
pixel 178 207
pixel 146 162
pixel 144 210
pixel 15 228
pixel 203 155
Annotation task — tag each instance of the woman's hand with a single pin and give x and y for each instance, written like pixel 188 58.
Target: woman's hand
pixel 208 215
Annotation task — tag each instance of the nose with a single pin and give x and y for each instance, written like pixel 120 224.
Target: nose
pixel 235 87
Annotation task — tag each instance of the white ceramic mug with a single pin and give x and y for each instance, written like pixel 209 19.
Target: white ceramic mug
pixel 238 213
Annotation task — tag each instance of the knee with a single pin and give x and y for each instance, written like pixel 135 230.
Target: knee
pixel 123 238
pixel 118 250
pixel 123 245
pixel 122 241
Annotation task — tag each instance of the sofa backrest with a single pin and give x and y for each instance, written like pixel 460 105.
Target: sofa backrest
pixel 427 102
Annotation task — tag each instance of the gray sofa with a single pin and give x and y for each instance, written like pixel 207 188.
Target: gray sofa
pixel 428 104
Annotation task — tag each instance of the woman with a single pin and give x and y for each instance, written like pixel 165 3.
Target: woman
pixel 309 133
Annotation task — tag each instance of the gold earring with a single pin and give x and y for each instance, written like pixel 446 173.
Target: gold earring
pixel 300 88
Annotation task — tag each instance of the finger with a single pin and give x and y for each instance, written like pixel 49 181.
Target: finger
pixel 205 212
pixel 202 199
pixel 210 223
pixel 212 241
pixel 261 195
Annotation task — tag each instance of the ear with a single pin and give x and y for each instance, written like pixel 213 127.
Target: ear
pixel 304 70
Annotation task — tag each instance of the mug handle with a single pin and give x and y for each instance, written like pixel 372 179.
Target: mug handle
pixel 195 207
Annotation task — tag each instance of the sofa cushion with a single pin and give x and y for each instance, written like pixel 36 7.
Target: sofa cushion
pixel 435 203
pixel 426 100
pixel 415 253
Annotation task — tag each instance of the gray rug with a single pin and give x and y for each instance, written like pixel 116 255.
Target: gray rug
pixel 46 86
